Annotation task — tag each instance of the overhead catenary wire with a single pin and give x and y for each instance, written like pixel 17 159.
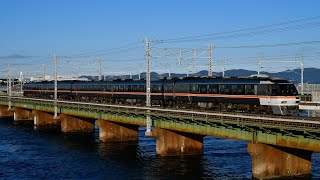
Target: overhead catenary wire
pixel 126 47
pixel 278 27
pixel 268 45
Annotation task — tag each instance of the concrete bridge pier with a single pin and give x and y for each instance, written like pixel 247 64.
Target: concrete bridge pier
pixel 4 112
pixel 270 161
pixel 44 120
pixel 112 131
pixel 173 143
pixel 22 116
pixel 71 124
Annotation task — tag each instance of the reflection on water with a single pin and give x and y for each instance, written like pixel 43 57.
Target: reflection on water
pixel 29 154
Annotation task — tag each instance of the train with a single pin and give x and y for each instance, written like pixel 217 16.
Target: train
pixel 253 94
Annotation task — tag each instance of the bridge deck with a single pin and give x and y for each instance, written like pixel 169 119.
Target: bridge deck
pixel 296 132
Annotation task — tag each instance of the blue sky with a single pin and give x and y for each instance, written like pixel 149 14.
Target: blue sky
pixel 67 27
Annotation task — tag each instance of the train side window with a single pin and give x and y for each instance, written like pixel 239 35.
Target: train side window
pixel 121 88
pixel 159 88
pixel 109 88
pixel 156 88
pixel 141 88
pixel 224 89
pixel 213 89
pixel 181 88
pixel 275 90
pixel 169 88
pixel 126 88
pixel 83 87
pixel 263 89
pixel 116 88
pixel 249 89
pixel 203 89
pixel 194 88
pixel 101 88
pixel 237 89
pixel 134 88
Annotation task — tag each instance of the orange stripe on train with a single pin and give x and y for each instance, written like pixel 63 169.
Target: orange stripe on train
pixel 168 94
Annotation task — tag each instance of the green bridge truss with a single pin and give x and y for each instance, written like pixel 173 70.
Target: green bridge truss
pixel 300 134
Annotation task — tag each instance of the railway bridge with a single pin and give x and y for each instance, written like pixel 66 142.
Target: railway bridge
pixel 279 145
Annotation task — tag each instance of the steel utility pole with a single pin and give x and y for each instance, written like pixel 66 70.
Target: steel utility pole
pixel 222 70
pixel 261 57
pixel 100 69
pixel 9 82
pixel 210 60
pixel 148 88
pixel 44 71
pixel 55 59
pixel 21 82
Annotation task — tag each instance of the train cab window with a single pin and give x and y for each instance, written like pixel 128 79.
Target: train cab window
pixel 213 89
pixel 287 90
pixel 293 89
pixel 249 89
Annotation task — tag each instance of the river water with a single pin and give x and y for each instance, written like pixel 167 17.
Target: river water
pixel 29 154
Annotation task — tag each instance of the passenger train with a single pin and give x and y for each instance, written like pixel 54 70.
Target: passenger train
pixel 254 94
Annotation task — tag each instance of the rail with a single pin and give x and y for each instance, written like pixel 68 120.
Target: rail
pixel 300 123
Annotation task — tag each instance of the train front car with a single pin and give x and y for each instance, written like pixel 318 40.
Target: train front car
pixel 279 94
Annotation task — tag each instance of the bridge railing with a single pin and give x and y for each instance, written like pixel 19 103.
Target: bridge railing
pixel 192 116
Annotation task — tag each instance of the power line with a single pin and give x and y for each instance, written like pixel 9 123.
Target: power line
pixel 268 45
pixel 285 26
pixel 105 51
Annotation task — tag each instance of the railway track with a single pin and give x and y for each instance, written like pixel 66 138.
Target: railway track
pixel 186 110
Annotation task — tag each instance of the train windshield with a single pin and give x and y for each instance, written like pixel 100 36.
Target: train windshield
pixel 283 90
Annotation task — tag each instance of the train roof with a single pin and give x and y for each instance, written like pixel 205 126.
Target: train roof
pixel 205 79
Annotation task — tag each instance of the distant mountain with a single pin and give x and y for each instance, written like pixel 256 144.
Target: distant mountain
pixel 311 75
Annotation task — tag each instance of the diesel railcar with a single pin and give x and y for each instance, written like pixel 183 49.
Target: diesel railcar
pixel 246 94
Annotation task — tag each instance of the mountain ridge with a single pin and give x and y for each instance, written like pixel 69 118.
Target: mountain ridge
pixel 311 75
